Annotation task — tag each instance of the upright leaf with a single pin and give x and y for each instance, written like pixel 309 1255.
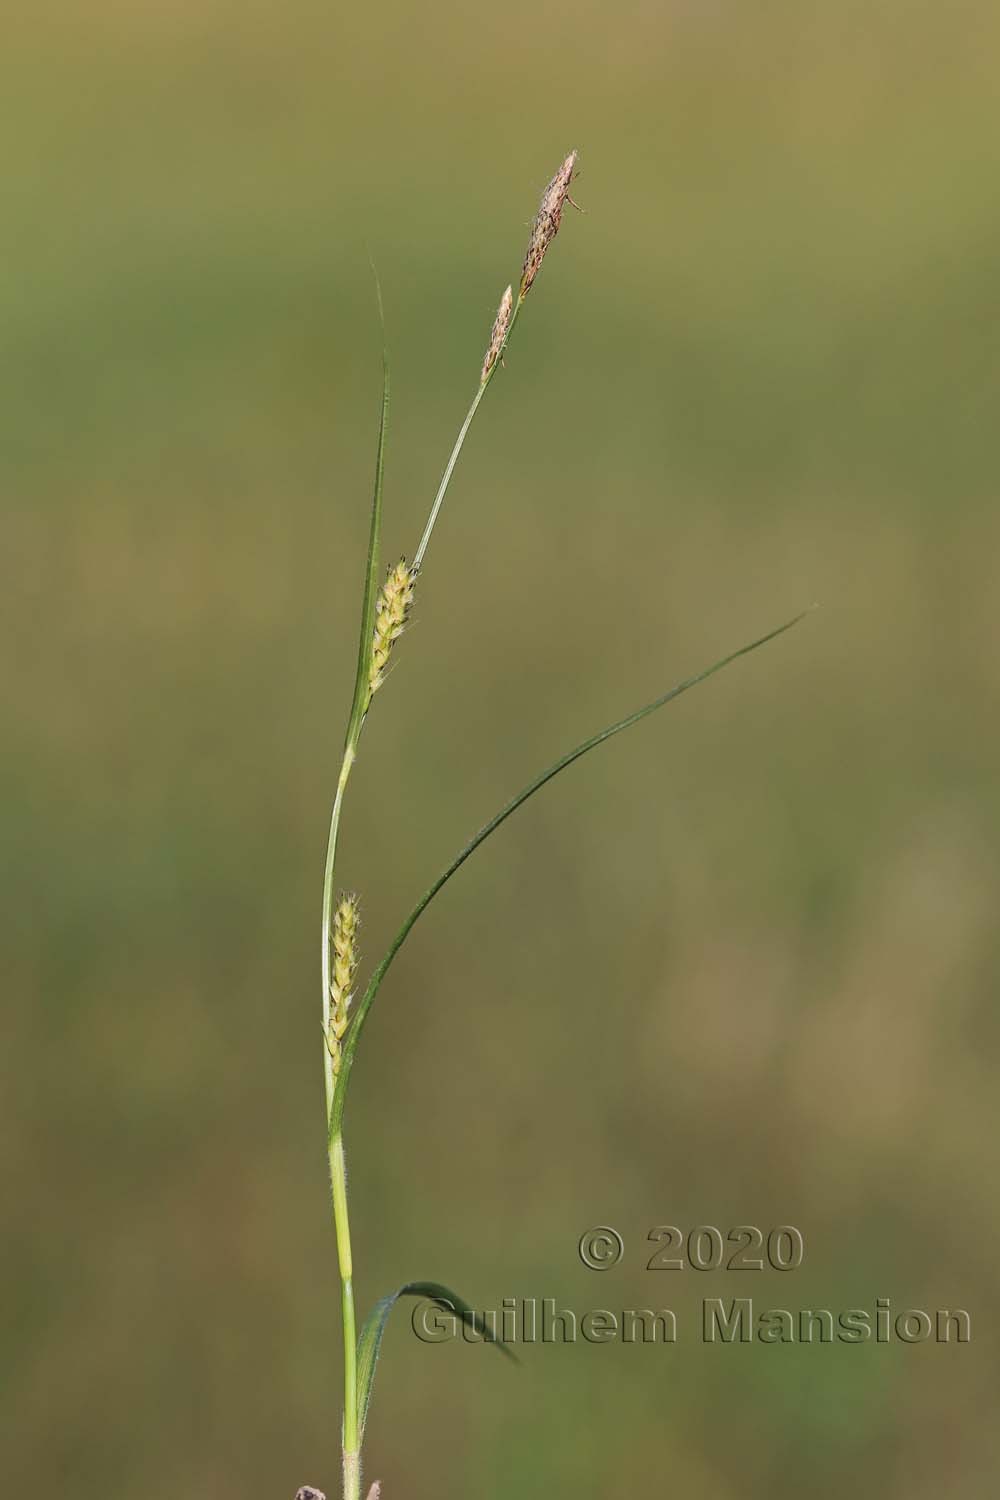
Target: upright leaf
pixel 361 688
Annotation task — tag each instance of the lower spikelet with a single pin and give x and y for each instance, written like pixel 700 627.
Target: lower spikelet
pixel 345 966
pixel 501 325
pixel 547 221
pixel 391 613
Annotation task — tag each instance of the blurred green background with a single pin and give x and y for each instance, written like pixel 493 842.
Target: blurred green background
pixel 739 966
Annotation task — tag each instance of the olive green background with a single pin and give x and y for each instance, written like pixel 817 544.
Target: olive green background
pixel 738 967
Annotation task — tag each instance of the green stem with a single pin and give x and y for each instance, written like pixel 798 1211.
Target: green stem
pixel 446 480
pixel 338 1167
pixel 331 860
pixel 342 1227
pixel 460 441
pixel 359 708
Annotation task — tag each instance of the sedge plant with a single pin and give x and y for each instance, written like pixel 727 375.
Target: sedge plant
pixel 385 610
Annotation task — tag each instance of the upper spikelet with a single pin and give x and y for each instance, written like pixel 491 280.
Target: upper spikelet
pixel 547 221
pixel 391 613
pixel 344 942
pixel 498 336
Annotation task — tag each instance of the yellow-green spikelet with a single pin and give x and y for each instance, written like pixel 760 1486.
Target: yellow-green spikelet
pixel 346 922
pixel 392 610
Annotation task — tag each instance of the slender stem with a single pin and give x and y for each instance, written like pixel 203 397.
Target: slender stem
pixel 331 860
pixel 362 699
pixel 460 442
pixel 338 1178
pixel 338 1167
pixel 342 1227
pixel 446 479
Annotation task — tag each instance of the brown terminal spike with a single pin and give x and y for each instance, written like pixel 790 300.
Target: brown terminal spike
pixel 547 221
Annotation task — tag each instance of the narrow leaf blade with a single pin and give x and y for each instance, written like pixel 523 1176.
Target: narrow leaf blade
pixel 361 1014
pixel 370 1338
pixel 365 644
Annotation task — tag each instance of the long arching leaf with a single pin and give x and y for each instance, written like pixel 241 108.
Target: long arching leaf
pixel 370 1339
pixel 354 1032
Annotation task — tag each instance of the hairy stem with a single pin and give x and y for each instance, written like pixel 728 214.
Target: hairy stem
pixel 338 1169
pixel 342 1227
pixel 331 860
